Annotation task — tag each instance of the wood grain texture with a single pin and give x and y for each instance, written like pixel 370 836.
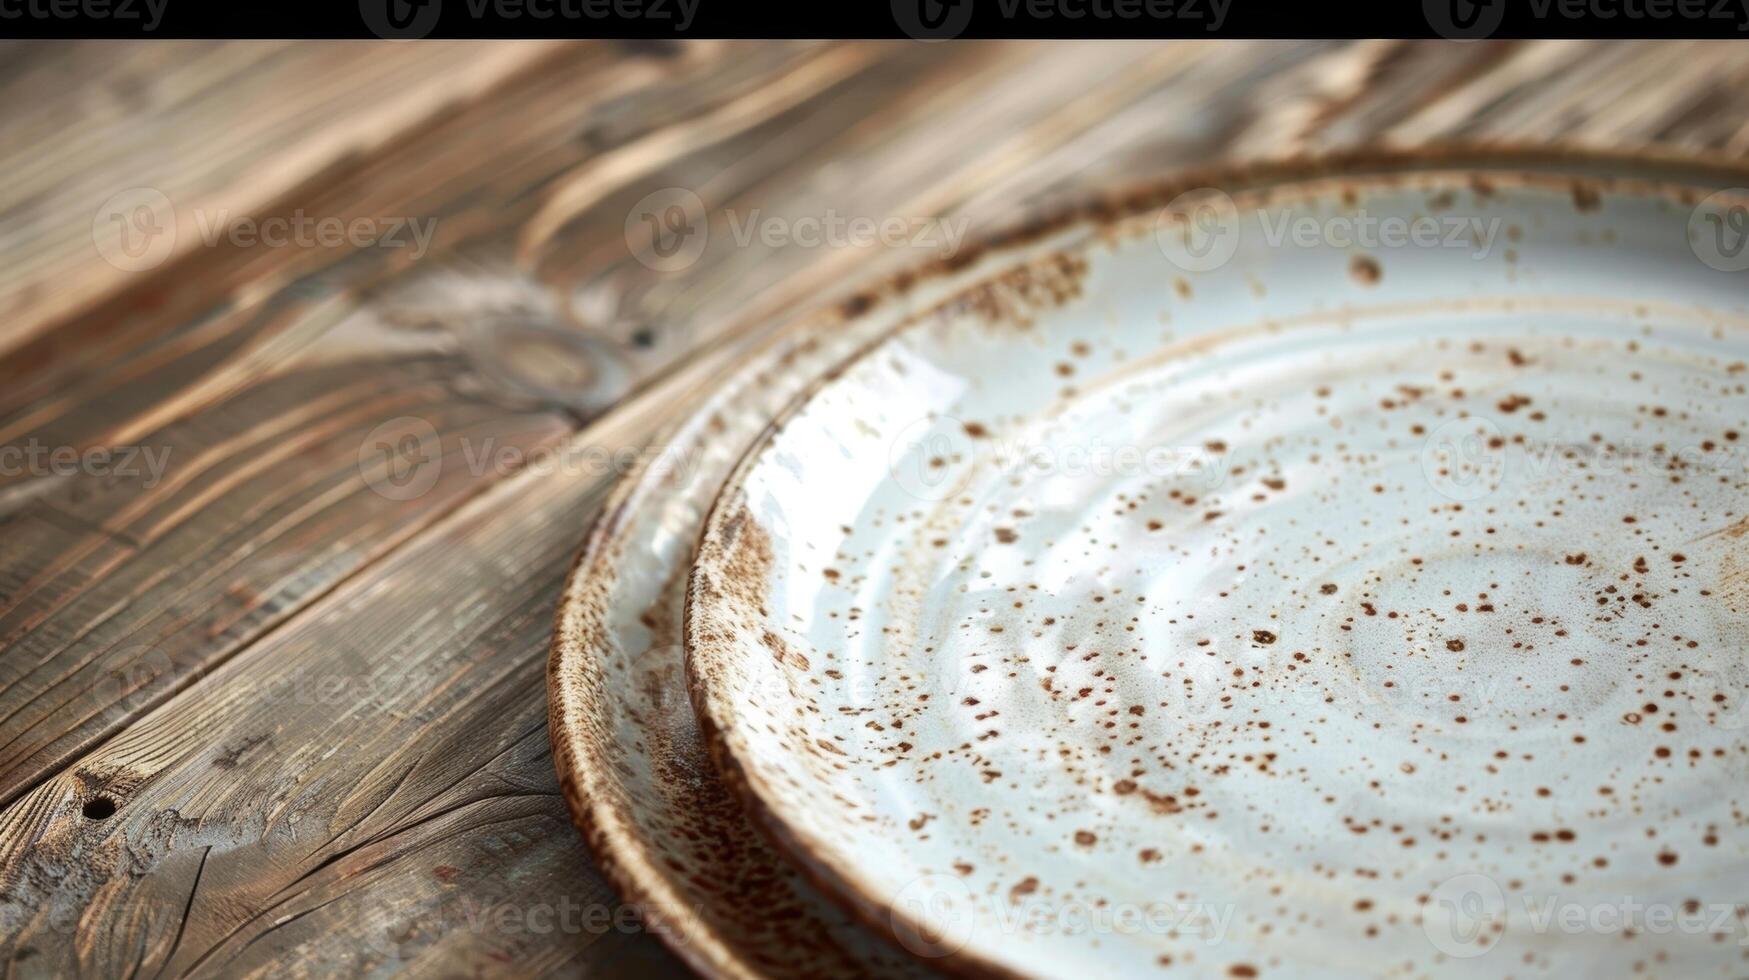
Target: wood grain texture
pixel 317 706
pixel 264 403
pixel 216 128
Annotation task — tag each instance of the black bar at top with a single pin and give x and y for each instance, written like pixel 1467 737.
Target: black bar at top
pixel 927 20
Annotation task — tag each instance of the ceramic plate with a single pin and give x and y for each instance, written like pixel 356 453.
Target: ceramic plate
pixel 1340 576
pixel 630 761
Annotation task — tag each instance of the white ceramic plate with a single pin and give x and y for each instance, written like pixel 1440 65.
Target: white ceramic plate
pixel 629 756
pixel 1340 578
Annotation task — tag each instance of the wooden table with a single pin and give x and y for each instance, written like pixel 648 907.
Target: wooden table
pixel 279 707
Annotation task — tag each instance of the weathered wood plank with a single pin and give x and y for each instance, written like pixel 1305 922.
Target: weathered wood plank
pixel 264 825
pixel 969 109
pixel 275 824
pixel 469 167
pixel 92 643
pixel 213 127
pixel 260 415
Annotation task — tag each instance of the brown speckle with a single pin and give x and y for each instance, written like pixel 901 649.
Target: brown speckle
pixel 1365 270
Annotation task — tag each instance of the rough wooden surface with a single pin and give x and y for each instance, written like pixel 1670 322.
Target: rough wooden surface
pixel 315 701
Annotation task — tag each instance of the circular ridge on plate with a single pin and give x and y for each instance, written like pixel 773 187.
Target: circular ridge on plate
pixel 728 630
pixel 634 773
pixel 588 755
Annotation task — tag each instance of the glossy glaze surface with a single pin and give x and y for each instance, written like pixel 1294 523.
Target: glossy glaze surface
pixel 1339 604
pixel 630 757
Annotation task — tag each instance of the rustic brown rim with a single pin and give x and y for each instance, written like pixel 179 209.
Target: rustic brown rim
pixel 622 861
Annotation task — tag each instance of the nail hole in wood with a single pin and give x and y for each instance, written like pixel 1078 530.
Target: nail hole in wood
pixel 99 808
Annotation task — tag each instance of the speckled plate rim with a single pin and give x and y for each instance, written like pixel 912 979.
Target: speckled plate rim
pixel 622 857
pixel 1678 175
pixel 620 854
